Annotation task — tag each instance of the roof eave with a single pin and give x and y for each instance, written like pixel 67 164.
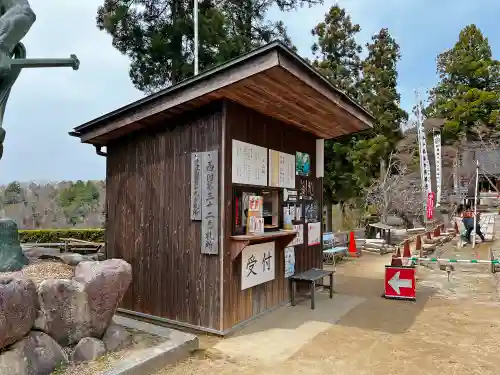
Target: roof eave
pixel 276 45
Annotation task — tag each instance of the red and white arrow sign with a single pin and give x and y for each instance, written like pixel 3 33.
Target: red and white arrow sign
pixel 396 283
pixel 400 282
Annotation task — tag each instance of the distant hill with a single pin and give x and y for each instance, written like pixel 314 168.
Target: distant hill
pixel 65 204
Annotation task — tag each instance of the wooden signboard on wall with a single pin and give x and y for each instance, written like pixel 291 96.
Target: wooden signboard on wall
pixel 210 202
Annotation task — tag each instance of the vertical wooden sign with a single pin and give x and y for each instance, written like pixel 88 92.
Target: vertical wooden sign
pixel 195 186
pixel 210 202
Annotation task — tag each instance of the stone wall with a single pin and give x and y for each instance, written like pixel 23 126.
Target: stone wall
pixel 47 325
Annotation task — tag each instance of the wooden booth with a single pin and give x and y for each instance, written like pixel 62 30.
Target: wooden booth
pixel 214 187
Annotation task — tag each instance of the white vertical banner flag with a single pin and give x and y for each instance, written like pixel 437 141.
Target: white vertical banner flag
pixel 438 157
pixel 425 168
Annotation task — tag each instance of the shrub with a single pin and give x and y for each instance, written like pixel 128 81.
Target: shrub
pixel 55 235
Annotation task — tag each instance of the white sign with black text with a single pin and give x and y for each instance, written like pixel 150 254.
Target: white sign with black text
pixel 249 164
pixel 257 264
pixel 299 238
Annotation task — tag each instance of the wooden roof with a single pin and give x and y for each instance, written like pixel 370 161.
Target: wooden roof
pixel 272 80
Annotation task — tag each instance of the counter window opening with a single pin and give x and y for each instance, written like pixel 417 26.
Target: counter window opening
pixel 271 202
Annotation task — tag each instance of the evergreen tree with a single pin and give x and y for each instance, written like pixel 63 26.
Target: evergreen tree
pixel 158 37
pixel 380 96
pixel 336 52
pixel 336 56
pixel 13 193
pixel 153 36
pixel 468 92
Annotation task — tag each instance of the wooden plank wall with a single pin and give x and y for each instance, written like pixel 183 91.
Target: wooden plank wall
pixel 148 193
pixel 249 126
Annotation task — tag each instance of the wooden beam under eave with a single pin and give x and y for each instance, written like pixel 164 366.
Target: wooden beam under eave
pixel 366 121
pixel 246 97
pixel 315 110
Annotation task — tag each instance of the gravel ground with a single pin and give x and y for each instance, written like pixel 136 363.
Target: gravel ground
pixel 140 341
pixel 451 329
pixel 43 270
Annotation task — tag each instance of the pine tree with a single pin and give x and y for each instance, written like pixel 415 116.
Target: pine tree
pixel 379 86
pixel 380 96
pixel 158 37
pixel 336 52
pixel 468 93
pixel 153 36
pixel 336 56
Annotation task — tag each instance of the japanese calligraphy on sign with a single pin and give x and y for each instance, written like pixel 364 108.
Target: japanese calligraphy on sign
pixel 195 186
pixel 437 155
pixel 257 264
pixel 306 189
pixel 210 202
pixel 299 238
pixel 249 164
pixel 281 169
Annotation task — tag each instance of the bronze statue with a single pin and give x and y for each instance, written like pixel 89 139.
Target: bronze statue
pixel 16 19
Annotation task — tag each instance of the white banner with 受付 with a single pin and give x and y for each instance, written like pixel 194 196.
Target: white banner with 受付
pixel 257 264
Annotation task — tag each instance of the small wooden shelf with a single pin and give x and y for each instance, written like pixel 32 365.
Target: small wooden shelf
pixel 238 243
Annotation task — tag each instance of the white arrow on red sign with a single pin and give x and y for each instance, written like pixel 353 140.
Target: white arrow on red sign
pixel 396 283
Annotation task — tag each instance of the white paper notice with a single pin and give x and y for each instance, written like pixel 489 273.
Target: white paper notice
pixel 249 164
pixel 313 234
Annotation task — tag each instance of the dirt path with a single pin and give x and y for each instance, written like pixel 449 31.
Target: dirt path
pixel 451 329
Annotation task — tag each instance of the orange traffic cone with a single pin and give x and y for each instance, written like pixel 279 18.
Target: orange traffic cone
pixel 396 262
pixel 419 247
pixel 353 251
pixel 406 250
pixel 435 232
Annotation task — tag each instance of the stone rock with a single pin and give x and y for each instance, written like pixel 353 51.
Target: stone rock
pixel 35 252
pixel 73 259
pixel 88 349
pixel 63 311
pixel 105 284
pixel 116 338
pixel 36 354
pixel 12 257
pixel 91 257
pixel 17 309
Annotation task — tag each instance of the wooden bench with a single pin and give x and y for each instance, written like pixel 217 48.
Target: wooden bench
pixel 70 244
pixel 311 276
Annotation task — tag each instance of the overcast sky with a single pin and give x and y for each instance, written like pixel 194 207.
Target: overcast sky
pixel 47 103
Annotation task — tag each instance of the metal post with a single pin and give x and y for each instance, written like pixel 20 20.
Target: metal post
pixel 72 62
pixel 475 205
pixel 195 20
